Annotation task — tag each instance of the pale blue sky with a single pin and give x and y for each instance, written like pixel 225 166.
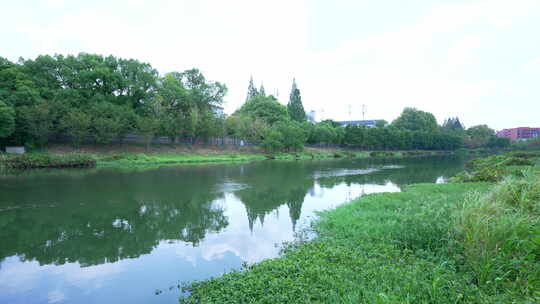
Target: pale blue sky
pixel 479 60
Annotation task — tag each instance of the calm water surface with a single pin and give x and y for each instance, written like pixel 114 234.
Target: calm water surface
pixel 114 236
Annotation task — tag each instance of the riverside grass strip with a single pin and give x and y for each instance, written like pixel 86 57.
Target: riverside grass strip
pixel 433 243
pixel 46 160
pixel 382 248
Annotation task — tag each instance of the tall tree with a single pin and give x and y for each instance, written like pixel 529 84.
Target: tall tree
pixel 416 120
pixel 77 125
pixel 295 107
pixel 267 109
pixel 7 120
pixel 252 91
pixel 453 125
pixel 36 121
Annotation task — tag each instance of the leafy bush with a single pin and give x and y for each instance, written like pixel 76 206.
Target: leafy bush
pixel 44 160
pixel 499 235
pixel 516 161
pixel 381 154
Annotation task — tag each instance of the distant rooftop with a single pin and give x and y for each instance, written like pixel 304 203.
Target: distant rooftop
pixel 368 123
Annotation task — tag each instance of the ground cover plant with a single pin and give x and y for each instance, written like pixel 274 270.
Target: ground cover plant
pixel 46 160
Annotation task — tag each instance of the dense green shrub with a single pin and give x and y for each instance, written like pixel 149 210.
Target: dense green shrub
pixel 381 154
pixel 499 235
pixel 44 160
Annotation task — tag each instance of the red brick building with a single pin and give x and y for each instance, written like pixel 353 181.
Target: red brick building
pixel 523 133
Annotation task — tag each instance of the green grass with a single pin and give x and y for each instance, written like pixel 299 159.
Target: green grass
pixel 433 243
pixel 500 237
pixel 383 248
pixel 157 160
pixel 145 161
pixel 494 168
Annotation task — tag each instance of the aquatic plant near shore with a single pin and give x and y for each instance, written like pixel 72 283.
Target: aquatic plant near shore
pixel 499 235
pixel 45 160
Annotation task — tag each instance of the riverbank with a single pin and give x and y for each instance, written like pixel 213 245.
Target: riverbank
pixel 142 157
pixel 46 160
pixel 136 156
pixel 469 242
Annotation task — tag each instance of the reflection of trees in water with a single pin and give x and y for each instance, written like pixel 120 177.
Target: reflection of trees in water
pixel 273 184
pixel 106 215
pixel 110 216
pixel 414 170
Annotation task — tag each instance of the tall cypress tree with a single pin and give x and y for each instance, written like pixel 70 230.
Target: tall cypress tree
pixel 295 107
pixel 252 91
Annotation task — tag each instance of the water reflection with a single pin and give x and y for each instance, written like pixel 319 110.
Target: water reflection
pixel 90 236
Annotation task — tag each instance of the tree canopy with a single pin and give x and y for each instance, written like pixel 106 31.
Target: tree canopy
pixel 7 120
pixel 295 106
pixel 90 95
pixel 413 119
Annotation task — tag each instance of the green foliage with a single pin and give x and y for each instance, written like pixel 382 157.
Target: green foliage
pixel 494 168
pixel 453 125
pixel 480 131
pixel 147 127
pixel 246 127
pixel 45 160
pixel 7 120
pixel 481 136
pixel 252 90
pixel 273 141
pixel 416 120
pixel 106 129
pixel 50 92
pixel 531 144
pixel 383 248
pixel 266 109
pixel 498 234
pixel 295 106
pixel 144 161
pixel 392 138
pixel 77 125
pixel 326 133
pixel 36 121
pixel 293 136
pixel 495 142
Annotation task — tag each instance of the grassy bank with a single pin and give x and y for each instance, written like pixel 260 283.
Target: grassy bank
pixel 473 242
pixel 46 160
pixel 157 160
pixel 135 156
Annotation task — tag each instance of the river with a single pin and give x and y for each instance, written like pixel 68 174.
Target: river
pixel 127 236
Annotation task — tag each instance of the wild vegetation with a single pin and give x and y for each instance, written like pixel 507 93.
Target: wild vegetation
pixel 46 160
pixel 494 168
pixel 433 243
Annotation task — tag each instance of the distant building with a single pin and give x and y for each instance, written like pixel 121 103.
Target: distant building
pixel 522 133
pixel 367 123
pixel 311 116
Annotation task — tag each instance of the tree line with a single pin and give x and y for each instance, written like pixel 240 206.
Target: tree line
pixel 104 98
pixel 286 128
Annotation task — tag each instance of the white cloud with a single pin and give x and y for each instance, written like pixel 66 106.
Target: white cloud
pixel 56 296
pixel 433 62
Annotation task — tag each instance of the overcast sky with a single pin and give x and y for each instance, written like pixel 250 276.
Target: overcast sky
pixel 478 60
